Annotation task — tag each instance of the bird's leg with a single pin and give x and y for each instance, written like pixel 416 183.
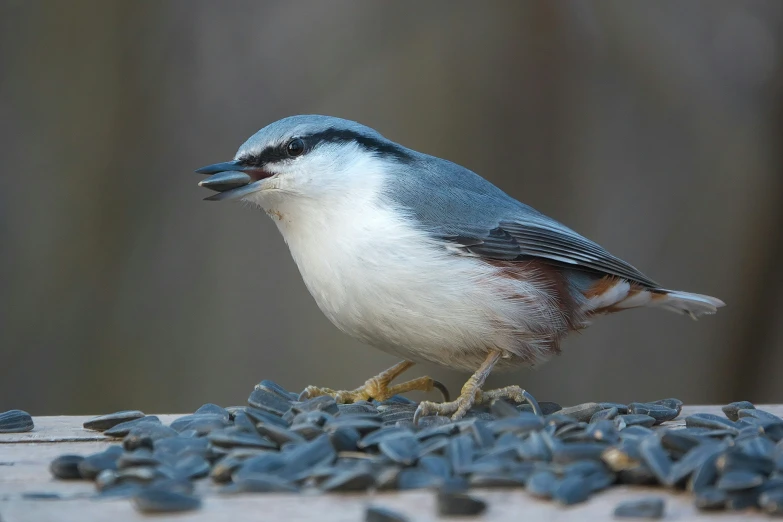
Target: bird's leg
pixel 467 397
pixel 378 387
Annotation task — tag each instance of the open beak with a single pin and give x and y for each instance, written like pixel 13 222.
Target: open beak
pixel 231 180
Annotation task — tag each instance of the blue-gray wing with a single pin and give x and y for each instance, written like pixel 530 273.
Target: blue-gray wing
pixel 462 208
pixel 518 241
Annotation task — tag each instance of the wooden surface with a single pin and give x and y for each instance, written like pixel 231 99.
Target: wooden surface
pixel 25 457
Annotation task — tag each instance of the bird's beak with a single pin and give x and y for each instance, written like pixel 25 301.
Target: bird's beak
pixel 232 180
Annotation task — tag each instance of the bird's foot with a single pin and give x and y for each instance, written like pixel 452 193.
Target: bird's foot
pixel 379 387
pixel 458 408
pixel 513 393
pixel 472 394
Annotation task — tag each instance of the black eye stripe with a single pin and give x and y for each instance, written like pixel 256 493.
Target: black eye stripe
pixel 279 153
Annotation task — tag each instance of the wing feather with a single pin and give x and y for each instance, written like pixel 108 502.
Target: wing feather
pixel 514 241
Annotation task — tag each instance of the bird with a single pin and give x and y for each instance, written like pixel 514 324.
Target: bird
pixel 426 260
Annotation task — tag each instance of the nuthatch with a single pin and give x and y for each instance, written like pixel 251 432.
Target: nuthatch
pixel 426 260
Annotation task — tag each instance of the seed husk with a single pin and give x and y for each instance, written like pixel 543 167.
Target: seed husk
pixel 349 480
pixel 459 504
pixel 435 465
pixel 120 490
pixel 138 474
pixel 603 431
pixel 693 460
pixel 605 414
pixel 736 480
pixel 356 408
pixel 265 463
pixel 264 417
pixel 742 500
pixel 192 467
pixel 356 422
pixel 344 439
pixel 273 387
pixel 657 459
pixel 404 450
pixel 521 424
pixel 772 502
pixel 637 475
pixel 90 466
pixel 651 508
pixel 705 475
pixel 202 423
pixel 678 443
pixel 104 422
pixel 15 421
pixel 269 402
pixel 460 452
pixel 637 431
pixel 173 448
pixel 499 480
pixel 213 409
pixel 233 438
pixel 308 456
pixel 372 440
pixel 260 483
pixel 565 453
pixel 710 499
pixel 620 459
pixel 280 435
pixel 738 461
pixel 659 412
pixel 542 484
pixel 757 445
pixel 139 457
pixel 621 408
pixel 502 409
pixel 710 421
pixel 145 435
pixel 413 478
pixel 242 421
pixel 674 404
pixel 732 410
pixel 433 421
pixel 624 422
pixel 547 408
pixel 323 403
pixel 221 471
pixel 760 415
pixel 123 428
pixel 571 490
pixel 66 467
pixel 581 412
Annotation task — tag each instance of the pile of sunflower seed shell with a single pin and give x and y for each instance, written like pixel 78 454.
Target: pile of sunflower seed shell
pixel 277 443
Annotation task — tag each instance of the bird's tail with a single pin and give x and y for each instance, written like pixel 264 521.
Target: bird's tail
pixel 612 294
pixel 686 303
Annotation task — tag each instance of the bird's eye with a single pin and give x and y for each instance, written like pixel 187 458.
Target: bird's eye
pixel 295 147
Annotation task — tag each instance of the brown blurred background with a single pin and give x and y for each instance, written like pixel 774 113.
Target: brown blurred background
pixel 651 127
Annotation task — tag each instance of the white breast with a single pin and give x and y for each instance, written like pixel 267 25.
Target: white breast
pixel 379 279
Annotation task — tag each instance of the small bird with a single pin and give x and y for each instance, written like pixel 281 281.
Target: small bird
pixel 426 260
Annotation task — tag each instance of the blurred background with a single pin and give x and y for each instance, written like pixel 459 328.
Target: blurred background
pixel 653 128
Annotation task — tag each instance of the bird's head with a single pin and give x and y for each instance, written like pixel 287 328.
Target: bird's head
pixel 310 156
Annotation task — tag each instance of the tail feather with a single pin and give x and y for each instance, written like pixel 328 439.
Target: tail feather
pixel 612 294
pixel 687 303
